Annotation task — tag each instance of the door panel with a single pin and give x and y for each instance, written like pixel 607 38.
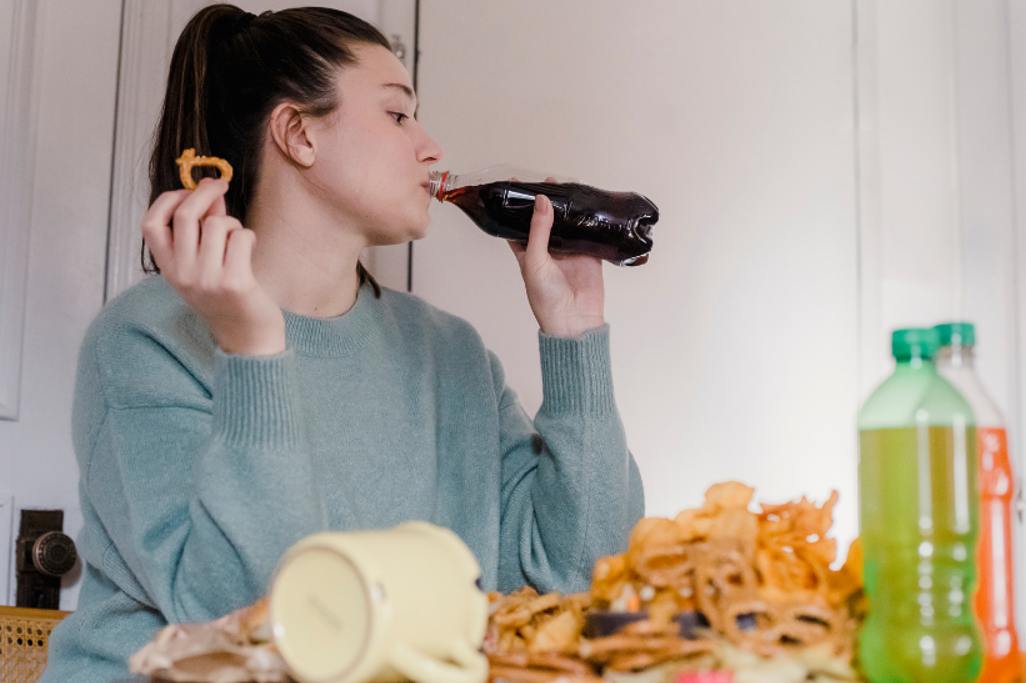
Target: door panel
pixel 61 174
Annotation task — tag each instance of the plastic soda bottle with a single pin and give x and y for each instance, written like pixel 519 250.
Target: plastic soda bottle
pixel 615 226
pixel 918 508
pixel 995 595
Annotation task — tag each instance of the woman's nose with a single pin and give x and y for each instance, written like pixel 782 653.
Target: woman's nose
pixel 430 151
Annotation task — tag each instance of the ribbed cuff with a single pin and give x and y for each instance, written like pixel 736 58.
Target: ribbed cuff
pixel 576 373
pixel 255 403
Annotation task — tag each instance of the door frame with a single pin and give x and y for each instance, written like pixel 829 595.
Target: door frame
pixel 18 129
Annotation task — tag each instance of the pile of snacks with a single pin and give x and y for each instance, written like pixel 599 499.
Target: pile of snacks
pixel 730 592
pixel 723 586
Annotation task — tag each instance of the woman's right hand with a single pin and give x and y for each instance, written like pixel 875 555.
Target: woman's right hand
pixel 206 255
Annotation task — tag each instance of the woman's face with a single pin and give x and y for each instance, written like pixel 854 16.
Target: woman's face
pixel 373 157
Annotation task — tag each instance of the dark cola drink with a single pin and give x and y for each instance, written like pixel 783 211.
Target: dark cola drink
pixel 614 226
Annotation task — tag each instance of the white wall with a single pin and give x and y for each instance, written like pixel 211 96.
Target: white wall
pixel 735 348
pixel 827 170
pixel 1016 22
pixel 992 265
pixel 74 75
pixel 908 172
pixel 938 230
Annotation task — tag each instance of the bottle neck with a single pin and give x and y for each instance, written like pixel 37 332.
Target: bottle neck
pixel 917 364
pixel 440 183
pixel 957 357
pixel 957 364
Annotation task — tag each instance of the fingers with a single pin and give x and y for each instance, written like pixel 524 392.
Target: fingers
pixel 537 247
pixel 156 225
pixel 218 208
pixel 206 199
pixel 213 239
pixel 518 250
pixel 238 259
pixel 196 243
pixel 541 228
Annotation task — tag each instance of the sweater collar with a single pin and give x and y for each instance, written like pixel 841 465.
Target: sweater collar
pixel 337 336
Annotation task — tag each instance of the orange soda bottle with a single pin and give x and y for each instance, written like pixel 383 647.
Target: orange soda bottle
pixel 995 596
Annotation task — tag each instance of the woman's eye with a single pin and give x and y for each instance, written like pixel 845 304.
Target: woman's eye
pixel 399 117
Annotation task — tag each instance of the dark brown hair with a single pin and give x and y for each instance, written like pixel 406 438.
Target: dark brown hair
pixel 229 70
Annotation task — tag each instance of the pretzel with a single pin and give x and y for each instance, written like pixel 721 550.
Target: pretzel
pixel 541 660
pixel 188 160
pixel 512 674
pixel 681 651
pixel 626 652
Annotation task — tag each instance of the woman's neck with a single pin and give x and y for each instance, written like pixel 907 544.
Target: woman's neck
pixel 305 260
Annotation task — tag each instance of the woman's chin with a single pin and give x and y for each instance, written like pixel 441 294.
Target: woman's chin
pixel 419 230
pixel 411 234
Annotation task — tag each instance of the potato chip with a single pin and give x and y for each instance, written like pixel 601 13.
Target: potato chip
pixel 731 495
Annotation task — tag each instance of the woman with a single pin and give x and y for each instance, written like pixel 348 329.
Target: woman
pixel 263 387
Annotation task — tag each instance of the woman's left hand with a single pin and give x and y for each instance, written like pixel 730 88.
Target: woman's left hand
pixel 565 291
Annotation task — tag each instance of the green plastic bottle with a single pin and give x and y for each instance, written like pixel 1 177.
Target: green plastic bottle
pixel 918 508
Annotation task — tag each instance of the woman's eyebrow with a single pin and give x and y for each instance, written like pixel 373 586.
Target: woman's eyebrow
pixel 405 88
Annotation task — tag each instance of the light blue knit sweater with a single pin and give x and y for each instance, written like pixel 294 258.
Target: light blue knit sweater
pixel 199 469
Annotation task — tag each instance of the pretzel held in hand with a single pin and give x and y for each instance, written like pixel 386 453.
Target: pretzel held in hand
pixel 188 160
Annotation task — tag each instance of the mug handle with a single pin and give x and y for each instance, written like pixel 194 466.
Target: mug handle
pixel 471 667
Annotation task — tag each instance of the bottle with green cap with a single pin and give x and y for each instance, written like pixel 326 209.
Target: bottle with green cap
pixel 995 596
pixel 918 507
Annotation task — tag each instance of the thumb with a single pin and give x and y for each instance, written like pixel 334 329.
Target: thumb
pixel 541 229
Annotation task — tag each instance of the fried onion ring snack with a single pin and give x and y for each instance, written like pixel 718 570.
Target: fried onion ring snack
pixel 188 160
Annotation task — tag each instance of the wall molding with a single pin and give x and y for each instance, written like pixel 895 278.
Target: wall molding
pixel 907 173
pixel 867 195
pixel 140 91
pixel 18 28
pixel 7 575
pixel 1016 26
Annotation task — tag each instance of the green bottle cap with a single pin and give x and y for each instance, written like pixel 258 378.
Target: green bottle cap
pixel 956 334
pixel 914 342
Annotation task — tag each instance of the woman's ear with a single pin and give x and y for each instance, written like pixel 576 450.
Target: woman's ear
pixel 289 131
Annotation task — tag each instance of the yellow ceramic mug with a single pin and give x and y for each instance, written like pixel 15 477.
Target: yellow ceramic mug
pixel 391 605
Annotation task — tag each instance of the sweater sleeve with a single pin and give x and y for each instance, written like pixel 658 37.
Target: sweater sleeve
pixel 199 494
pixel 571 490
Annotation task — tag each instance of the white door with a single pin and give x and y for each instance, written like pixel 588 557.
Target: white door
pixel 58 75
